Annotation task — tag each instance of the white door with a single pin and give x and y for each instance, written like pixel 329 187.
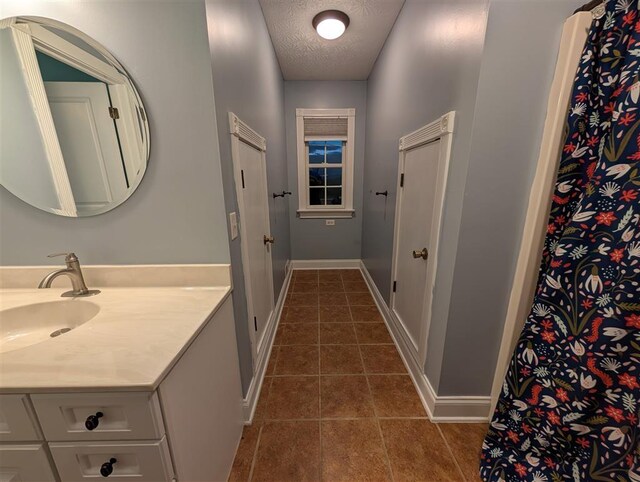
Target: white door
pixel 89 142
pixel 423 164
pixel 250 170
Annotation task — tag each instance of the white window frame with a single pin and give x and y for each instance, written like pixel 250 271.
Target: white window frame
pixel 346 210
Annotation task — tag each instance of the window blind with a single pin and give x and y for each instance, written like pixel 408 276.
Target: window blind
pixel 325 127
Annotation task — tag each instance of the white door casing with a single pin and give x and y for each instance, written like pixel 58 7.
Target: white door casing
pixel 248 150
pixel 422 178
pixel 89 142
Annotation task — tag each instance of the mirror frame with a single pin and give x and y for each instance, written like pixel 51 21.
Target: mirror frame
pixel 28 33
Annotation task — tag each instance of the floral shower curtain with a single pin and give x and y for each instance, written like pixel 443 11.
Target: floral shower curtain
pixel 570 403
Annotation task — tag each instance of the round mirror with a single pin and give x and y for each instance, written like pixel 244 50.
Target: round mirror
pixel 74 135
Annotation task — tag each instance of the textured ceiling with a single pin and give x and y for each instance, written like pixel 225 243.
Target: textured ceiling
pixel 304 55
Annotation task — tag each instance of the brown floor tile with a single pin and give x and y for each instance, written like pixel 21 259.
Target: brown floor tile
pixel 333 299
pixel 301 287
pixel 352 275
pixel 352 450
pixel 370 333
pixel 417 452
pixel 271 365
pixel 329 275
pixel 340 359
pixel 305 276
pixel 355 287
pixel 395 396
pixel 293 398
pixel 382 359
pixel 302 299
pixel 331 286
pixel 288 452
pixel 465 441
pixel 360 299
pixel 298 360
pixel 244 456
pixel 277 340
pixel 300 314
pixel 337 334
pixel 299 334
pixel 261 407
pixel 345 397
pixel 335 314
pixel 365 313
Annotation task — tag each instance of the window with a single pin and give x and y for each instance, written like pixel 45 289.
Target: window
pixel 325 162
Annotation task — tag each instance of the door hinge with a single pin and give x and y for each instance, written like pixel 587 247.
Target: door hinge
pixel 255 323
pixel 113 113
pixel 402 180
pixel 395 285
pixel 242 176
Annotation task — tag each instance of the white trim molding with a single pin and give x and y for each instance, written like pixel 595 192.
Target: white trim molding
pixel 325 263
pixel 306 211
pixel 253 394
pixel 441 409
pixel 245 133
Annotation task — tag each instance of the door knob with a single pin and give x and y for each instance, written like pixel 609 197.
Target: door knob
pixel 268 239
pixel 92 421
pixel 107 468
pixel 424 253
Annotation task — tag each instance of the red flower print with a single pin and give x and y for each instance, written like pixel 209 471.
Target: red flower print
pixel 548 336
pixel 614 413
pixel 629 18
pixel 633 321
pixel 548 461
pixel 632 418
pixel 551 228
pixel 556 263
pixel 513 436
pixel 609 108
pixel 521 469
pixel 561 219
pixel 583 442
pixel 629 195
pixel 606 218
pixel 569 148
pixel 628 380
pixel 581 97
pixel 626 119
pixel 561 394
pixel 593 141
pixel 546 324
pixel 616 255
pixel 635 156
pixel 617 92
pixel 553 418
pixel 526 428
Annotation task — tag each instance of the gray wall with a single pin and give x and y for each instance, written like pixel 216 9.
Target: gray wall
pixel 429 65
pixel 499 91
pixel 515 78
pixel 248 82
pixel 311 238
pixel 177 214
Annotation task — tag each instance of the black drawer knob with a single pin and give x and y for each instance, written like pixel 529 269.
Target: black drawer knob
pixel 92 421
pixel 107 467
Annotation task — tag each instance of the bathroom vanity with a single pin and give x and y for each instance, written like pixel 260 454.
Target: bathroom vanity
pixel 144 386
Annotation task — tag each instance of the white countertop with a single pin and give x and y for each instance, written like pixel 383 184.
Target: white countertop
pixel 131 344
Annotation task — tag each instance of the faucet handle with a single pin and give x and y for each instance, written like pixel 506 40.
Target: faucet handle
pixel 68 256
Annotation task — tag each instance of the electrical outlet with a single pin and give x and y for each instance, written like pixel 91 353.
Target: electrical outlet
pixel 330 222
pixel 233 223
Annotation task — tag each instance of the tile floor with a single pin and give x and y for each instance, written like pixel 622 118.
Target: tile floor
pixel 337 403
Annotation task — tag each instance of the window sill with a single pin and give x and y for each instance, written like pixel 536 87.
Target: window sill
pixel 326 213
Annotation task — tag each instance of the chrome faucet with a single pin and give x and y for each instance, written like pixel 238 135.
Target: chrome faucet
pixel 74 273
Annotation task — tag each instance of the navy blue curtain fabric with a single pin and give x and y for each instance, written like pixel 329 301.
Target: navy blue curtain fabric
pixel 570 402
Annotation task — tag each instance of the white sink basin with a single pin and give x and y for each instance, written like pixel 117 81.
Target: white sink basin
pixel 30 324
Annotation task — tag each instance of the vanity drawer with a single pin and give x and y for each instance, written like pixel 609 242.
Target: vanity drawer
pixel 142 461
pixel 115 416
pixel 17 421
pixel 25 463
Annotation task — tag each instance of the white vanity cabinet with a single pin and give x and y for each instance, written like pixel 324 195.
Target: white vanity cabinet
pixel 186 430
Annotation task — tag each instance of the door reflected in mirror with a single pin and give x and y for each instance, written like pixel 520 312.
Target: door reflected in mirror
pixel 74 135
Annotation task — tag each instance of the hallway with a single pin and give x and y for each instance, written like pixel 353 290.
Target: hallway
pixel 337 402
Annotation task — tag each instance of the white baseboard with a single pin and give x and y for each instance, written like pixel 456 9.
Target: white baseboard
pixel 440 409
pixel 325 263
pixel 253 394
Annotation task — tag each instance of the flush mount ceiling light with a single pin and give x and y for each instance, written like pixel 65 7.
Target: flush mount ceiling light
pixel 331 24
